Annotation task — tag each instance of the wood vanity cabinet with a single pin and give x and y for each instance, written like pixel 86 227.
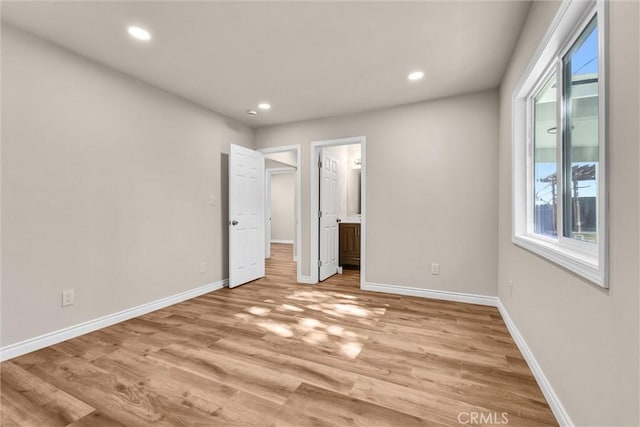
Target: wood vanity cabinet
pixel 349 244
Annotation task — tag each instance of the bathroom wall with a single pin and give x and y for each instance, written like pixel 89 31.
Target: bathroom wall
pixel 348 193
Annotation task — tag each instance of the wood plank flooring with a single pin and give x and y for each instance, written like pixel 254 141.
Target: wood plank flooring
pixel 275 353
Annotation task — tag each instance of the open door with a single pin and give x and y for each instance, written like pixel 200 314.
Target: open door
pixel 328 216
pixel 246 215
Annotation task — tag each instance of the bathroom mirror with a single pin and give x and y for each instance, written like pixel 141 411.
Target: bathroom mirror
pixel 353 192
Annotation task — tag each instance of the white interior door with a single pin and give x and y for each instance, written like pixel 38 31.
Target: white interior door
pixel 246 215
pixel 328 215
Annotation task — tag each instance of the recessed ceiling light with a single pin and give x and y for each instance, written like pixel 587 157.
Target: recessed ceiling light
pixel 252 113
pixel 264 106
pixel 139 33
pixel 416 75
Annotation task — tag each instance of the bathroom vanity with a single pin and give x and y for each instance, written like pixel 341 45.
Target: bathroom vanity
pixel 349 250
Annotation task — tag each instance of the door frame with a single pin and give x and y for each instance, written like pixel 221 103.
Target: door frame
pixel 267 206
pixel 314 193
pixel 298 242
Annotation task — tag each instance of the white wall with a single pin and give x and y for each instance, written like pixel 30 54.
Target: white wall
pixel 283 220
pixel 585 338
pixel 431 189
pixel 105 189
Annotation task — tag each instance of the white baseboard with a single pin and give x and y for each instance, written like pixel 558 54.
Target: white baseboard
pixel 36 343
pixel 306 280
pixel 432 293
pixel 51 338
pixel 552 398
pixel 555 404
pixel 285 242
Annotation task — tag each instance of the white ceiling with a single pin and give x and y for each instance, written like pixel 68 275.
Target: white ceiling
pixel 308 59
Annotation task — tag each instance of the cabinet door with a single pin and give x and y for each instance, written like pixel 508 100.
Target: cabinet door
pixel 350 244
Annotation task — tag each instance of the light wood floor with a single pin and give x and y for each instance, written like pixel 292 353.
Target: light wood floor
pixel 276 353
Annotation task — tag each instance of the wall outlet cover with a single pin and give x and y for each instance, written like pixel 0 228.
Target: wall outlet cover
pixel 68 297
pixel 435 268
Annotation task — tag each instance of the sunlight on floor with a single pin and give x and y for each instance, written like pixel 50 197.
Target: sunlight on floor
pixel 314 337
pixel 310 323
pixel 276 328
pixel 335 330
pixel 351 349
pixel 258 311
pixel 282 320
pixel 290 307
pixel 350 309
pixel 316 317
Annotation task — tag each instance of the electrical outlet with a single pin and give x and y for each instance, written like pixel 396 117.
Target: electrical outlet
pixel 68 297
pixel 510 288
pixel 213 201
pixel 203 267
pixel 435 268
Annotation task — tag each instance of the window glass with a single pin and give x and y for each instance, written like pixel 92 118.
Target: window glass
pixel 580 142
pixel 545 130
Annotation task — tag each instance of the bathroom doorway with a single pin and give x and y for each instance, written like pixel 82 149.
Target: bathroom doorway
pixel 338 196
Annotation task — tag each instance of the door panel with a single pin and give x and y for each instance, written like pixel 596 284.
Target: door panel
pixel 246 215
pixel 329 216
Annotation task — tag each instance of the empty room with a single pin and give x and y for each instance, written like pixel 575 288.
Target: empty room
pixel 320 213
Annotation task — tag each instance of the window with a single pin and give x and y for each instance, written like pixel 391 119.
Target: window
pixel 559 133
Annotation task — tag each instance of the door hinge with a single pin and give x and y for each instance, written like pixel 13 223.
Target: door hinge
pixel 319 214
pixel 320 164
pixel 319 263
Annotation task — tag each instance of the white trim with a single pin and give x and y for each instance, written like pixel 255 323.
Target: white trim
pixel 306 280
pixel 32 344
pixel 281 241
pixel 585 266
pixel 314 197
pixel 280 149
pixel 36 343
pixel 585 259
pixel 281 170
pixel 298 171
pixel 432 294
pixel 558 409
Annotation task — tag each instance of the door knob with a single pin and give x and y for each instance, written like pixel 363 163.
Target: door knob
pixel 234 222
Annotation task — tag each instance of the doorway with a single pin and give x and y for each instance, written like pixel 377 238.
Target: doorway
pixel 280 208
pixel 332 166
pixel 283 164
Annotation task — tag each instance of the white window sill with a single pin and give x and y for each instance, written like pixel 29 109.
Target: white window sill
pixel 579 263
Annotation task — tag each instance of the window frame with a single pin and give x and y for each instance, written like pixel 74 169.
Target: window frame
pixel 587 259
